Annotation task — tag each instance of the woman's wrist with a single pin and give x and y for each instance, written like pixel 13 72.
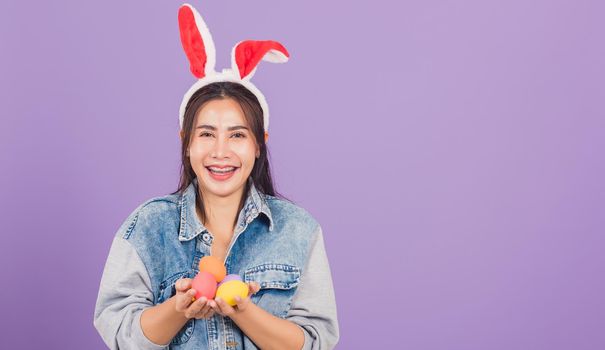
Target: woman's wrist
pixel 243 313
pixel 162 322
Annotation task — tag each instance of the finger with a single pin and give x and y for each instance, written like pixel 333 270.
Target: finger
pixel 238 303
pixel 183 301
pixel 201 303
pixel 215 308
pixel 183 284
pixel 195 307
pixel 224 307
pixel 206 312
pixel 241 303
pixel 254 287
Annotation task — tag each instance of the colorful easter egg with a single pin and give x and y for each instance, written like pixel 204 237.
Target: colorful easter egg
pixel 228 290
pixel 231 277
pixel 213 265
pixel 204 284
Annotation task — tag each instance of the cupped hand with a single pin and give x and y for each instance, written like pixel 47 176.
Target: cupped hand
pixel 187 304
pixel 221 307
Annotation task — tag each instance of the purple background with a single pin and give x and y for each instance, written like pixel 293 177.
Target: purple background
pixel 452 151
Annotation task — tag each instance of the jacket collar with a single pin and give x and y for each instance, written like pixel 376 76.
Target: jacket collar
pixel 191 226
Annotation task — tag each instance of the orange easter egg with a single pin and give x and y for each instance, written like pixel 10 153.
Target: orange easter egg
pixel 213 265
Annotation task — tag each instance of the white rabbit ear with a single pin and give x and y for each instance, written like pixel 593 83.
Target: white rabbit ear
pixel 197 41
pixel 247 54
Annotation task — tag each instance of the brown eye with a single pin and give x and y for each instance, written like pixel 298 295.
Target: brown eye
pixel 239 135
pixel 205 134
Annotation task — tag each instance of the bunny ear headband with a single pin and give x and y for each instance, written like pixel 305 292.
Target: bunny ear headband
pixel 245 56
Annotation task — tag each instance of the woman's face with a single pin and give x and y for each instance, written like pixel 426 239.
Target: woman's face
pixel 222 150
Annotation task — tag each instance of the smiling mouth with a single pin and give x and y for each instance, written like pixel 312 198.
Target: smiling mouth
pixel 222 171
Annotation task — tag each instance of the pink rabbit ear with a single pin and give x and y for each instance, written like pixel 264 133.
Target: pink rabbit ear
pixel 247 54
pixel 196 40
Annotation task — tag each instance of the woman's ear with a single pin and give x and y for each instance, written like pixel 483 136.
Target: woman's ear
pixel 181 134
pixel 266 136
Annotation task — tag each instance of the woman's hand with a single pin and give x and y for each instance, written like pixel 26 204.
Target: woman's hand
pixel 222 308
pixel 186 303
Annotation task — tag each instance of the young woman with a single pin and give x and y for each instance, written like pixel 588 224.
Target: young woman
pixel 226 207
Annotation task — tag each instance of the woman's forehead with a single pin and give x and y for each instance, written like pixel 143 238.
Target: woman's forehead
pixel 221 114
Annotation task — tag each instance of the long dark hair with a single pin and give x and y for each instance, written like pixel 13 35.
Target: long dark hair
pixel 261 172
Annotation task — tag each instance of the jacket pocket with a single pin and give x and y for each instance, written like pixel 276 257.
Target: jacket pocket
pixel 166 291
pixel 278 284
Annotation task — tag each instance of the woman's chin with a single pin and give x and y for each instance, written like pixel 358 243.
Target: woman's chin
pixel 222 188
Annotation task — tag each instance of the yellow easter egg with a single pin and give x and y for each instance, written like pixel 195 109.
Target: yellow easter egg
pixel 228 290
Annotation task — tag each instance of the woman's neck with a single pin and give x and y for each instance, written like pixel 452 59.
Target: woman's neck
pixel 221 213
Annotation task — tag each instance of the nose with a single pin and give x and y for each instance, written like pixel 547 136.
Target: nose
pixel 220 148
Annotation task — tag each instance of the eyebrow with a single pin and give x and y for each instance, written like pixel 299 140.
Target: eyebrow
pixel 213 128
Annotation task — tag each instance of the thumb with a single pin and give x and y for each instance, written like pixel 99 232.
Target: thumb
pixel 253 287
pixel 183 285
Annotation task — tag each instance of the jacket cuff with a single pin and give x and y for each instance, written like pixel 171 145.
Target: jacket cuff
pixel 311 342
pixel 140 338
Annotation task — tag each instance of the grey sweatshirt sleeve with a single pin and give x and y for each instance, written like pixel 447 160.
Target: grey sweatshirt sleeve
pixel 124 293
pixel 313 305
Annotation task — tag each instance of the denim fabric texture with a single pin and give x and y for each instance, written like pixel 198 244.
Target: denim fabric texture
pixel 270 245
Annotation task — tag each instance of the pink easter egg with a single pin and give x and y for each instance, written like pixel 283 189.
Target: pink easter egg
pixel 204 284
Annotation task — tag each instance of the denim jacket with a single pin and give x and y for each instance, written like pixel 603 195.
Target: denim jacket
pixel 275 243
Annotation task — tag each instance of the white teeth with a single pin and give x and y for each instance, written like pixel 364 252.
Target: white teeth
pixel 221 171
